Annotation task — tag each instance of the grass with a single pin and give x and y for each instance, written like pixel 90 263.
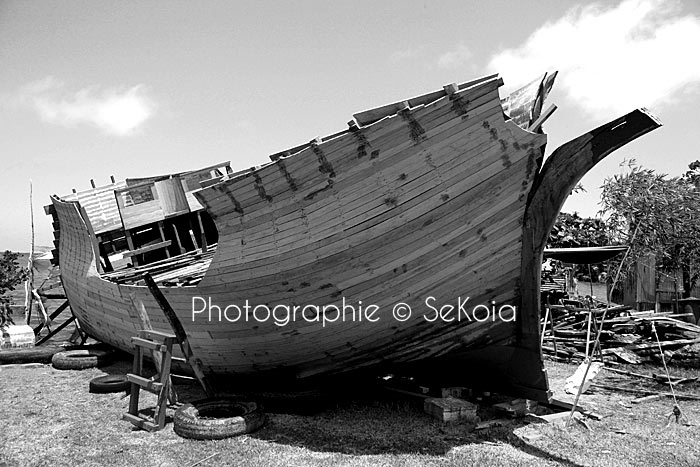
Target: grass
pixel 50 418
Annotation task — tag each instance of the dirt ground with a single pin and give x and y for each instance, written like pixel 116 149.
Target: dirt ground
pixel 50 418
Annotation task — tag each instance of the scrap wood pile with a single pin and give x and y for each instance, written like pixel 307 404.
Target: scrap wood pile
pixel 627 336
pixel 178 271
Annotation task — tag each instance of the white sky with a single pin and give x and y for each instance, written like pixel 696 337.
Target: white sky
pixel 90 89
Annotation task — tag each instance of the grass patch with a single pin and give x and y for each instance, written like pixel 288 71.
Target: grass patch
pixel 50 418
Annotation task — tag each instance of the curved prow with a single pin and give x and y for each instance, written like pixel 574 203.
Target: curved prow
pixel 77 255
pixel 558 177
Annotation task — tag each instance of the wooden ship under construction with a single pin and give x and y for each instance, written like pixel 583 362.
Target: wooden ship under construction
pixel 429 201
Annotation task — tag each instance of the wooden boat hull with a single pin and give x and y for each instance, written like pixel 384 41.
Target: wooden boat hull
pixel 436 205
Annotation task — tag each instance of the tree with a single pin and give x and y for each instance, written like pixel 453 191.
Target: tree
pixel 693 175
pixel 11 274
pixel 572 231
pixel 656 214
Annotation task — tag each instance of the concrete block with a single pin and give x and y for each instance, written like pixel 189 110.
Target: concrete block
pixel 451 409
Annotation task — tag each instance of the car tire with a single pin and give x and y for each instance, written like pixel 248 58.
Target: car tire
pixel 217 418
pixel 80 359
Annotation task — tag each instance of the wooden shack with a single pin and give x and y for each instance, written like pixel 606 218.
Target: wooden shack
pixel 141 220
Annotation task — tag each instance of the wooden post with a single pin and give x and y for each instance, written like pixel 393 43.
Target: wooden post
pixel 42 309
pixel 194 239
pixel 93 240
pixel 136 369
pixel 180 333
pixel 105 257
pixel 201 229
pixel 29 282
pixel 544 325
pixel 57 330
pixel 162 237
pixel 588 332
pixel 130 243
pixel 179 242
pixel 195 245
pixel 554 337
pixel 53 315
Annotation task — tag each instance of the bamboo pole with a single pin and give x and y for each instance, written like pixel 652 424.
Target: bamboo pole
pixel 29 283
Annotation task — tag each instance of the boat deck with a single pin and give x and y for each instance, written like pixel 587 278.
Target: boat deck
pixel 179 271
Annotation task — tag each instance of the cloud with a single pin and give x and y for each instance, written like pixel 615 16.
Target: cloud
pixel 455 57
pixel 117 111
pixel 635 54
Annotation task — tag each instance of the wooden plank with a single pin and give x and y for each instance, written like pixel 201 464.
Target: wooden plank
pixel 397 126
pixel 146 249
pixel 148 344
pixel 162 237
pixel 93 239
pixel 56 331
pixel 179 331
pixel 179 242
pixel 203 239
pixel 171 196
pixel 370 234
pixel 140 422
pixel 679 396
pixel 145 383
pixel 394 247
pixel 142 214
pixel 542 118
pixel 368 117
pixel 344 197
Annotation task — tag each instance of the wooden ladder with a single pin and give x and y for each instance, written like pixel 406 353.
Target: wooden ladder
pixel 157 342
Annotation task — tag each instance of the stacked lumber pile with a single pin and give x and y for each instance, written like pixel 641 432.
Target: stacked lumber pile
pixel 627 336
pixel 178 271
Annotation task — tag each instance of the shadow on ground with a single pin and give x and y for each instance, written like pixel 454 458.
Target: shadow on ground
pixel 375 423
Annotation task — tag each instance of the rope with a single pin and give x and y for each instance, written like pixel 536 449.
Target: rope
pixel 663 360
